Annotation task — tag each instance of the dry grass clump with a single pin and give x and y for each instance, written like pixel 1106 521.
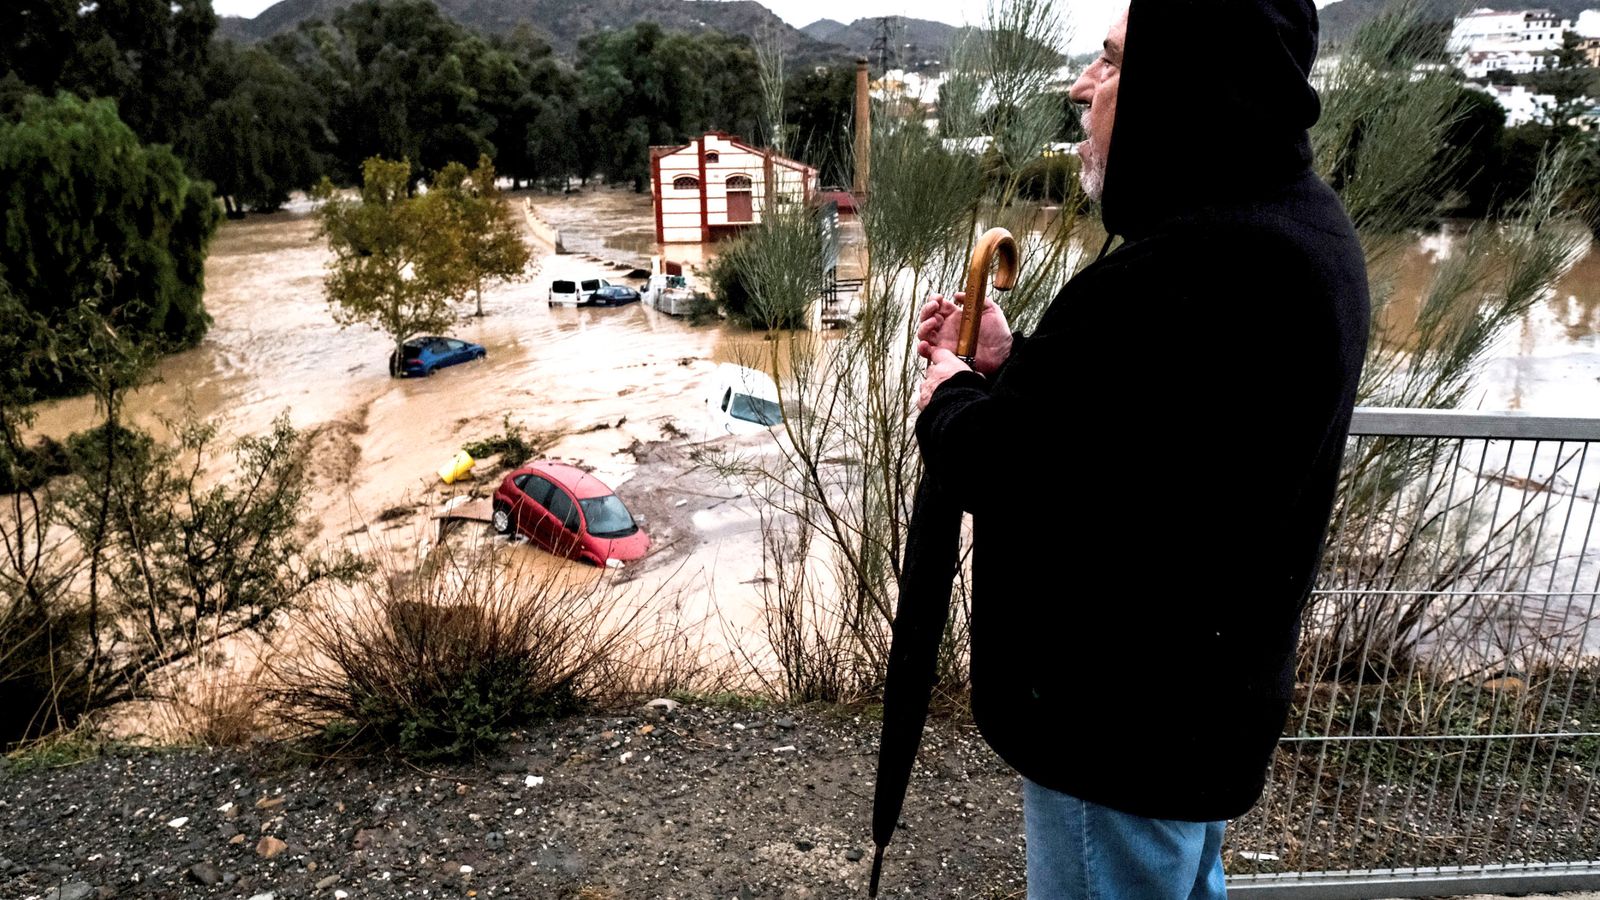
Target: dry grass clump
pixel 443 663
pixel 222 708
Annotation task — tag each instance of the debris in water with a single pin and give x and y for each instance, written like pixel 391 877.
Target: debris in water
pixel 458 466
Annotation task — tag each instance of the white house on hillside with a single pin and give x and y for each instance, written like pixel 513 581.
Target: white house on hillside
pixel 716 185
pixel 1479 63
pixel 1518 41
pixel 1521 105
pixel 1532 30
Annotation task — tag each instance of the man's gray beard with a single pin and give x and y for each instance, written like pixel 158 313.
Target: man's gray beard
pixel 1093 176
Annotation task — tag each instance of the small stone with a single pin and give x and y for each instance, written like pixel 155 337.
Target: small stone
pixel 340 895
pixel 269 803
pixel 179 822
pixel 328 882
pixel 494 840
pixel 461 790
pixel 77 890
pixel 785 724
pixel 269 846
pixel 466 869
pixel 804 846
pixel 236 839
pixel 661 708
pixel 533 781
pixel 267 896
pixel 230 877
pixel 311 866
pixel 854 854
pixel 205 873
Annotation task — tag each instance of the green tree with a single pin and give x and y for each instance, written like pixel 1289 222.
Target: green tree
pixel 640 86
pixel 401 81
pixel 489 242
pixel 818 109
pixel 260 133
pixel 393 265
pixel 80 193
pixel 150 56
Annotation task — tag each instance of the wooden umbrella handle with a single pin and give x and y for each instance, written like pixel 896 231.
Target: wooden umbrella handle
pixel 994 241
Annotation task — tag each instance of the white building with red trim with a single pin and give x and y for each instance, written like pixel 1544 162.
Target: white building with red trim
pixel 715 185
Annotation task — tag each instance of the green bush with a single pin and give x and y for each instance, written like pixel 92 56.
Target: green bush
pixel 445 663
pixel 35 465
pixel 513 445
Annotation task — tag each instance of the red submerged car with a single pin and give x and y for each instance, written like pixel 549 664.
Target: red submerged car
pixel 569 512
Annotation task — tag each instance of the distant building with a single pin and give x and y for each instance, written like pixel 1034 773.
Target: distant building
pixel 1531 30
pixel 1590 48
pixel 1479 63
pixel 716 185
pixel 1516 42
pixel 1521 105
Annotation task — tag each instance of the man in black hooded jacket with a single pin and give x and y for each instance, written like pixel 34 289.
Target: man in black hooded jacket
pixel 1181 409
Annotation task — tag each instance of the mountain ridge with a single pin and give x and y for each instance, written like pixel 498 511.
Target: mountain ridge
pixel 562 22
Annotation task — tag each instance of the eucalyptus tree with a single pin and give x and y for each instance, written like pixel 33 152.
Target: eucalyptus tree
pixel 80 194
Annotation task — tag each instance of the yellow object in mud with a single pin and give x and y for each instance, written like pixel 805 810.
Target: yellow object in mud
pixel 459 465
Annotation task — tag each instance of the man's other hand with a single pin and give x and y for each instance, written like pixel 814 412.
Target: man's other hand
pixel 940 327
pixel 942 364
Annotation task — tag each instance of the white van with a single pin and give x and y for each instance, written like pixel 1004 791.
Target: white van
pixel 563 292
pixel 566 292
pixel 741 400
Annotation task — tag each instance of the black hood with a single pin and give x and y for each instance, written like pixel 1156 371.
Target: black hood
pixel 1212 107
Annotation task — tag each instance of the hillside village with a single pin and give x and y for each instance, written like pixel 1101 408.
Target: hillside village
pixel 1496 51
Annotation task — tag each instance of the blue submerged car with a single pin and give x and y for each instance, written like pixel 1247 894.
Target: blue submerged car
pixel 421 355
pixel 612 295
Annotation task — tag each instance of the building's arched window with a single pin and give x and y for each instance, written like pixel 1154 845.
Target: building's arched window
pixel 738 182
pixel 712 156
pixel 686 183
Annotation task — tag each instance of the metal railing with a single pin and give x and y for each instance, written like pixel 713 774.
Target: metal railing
pixel 1445 729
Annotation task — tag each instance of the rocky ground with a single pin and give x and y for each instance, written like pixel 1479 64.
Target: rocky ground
pixel 702 802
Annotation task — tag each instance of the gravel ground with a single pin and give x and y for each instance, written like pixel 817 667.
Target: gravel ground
pixel 704 802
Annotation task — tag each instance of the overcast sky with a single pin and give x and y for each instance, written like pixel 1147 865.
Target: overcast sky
pixel 1090 18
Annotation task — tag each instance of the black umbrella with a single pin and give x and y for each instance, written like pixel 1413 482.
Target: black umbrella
pixel 932 551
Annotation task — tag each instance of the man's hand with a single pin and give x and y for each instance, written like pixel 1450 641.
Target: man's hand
pixel 942 365
pixel 940 327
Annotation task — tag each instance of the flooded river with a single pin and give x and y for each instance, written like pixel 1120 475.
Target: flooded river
pixel 622 386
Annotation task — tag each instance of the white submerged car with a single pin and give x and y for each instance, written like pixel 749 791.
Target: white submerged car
pixel 741 400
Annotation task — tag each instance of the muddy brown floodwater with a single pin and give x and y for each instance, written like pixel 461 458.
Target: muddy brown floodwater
pixel 622 385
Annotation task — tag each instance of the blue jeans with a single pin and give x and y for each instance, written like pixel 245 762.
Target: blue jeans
pixel 1083 851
